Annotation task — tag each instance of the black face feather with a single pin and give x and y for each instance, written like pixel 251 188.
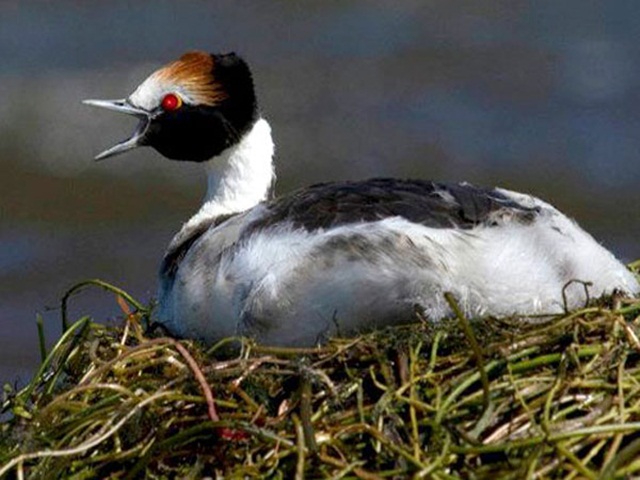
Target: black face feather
pixel 240 107
pixel 199 132
pixel 191 133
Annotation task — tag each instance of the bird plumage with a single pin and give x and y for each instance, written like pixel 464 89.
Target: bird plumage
pixel 339 258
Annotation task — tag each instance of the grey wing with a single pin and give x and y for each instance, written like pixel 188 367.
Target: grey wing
pixel 329 205
pixel 432 204
pixel 228 229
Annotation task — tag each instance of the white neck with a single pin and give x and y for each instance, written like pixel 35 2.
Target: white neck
pixel 239 178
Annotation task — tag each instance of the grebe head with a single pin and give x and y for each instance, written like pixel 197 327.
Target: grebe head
pixel 191 109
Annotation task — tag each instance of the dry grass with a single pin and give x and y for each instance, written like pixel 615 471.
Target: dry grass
pixel 560 399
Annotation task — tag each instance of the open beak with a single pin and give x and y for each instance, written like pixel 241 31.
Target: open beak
pixel 123 106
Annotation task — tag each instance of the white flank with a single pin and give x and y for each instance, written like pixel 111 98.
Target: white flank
pixel 287 286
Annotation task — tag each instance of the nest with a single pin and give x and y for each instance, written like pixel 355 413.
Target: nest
pixel 492 398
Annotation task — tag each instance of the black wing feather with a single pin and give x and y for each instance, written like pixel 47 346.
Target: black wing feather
pixel 328 205
pixel 432 204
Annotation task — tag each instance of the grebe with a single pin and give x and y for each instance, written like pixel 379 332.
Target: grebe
pixel 338 258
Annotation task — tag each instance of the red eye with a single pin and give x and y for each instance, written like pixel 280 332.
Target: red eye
pixel 171 102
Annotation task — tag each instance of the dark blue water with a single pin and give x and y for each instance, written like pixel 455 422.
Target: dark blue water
pixel 532 96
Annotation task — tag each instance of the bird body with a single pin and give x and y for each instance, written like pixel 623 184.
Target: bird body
pixel 344 257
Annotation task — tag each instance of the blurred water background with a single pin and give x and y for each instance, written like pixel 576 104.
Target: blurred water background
pixel 542 97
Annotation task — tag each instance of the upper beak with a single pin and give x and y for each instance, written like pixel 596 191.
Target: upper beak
pixel 137 138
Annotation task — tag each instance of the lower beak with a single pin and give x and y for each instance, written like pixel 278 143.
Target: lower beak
pixel 137 139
